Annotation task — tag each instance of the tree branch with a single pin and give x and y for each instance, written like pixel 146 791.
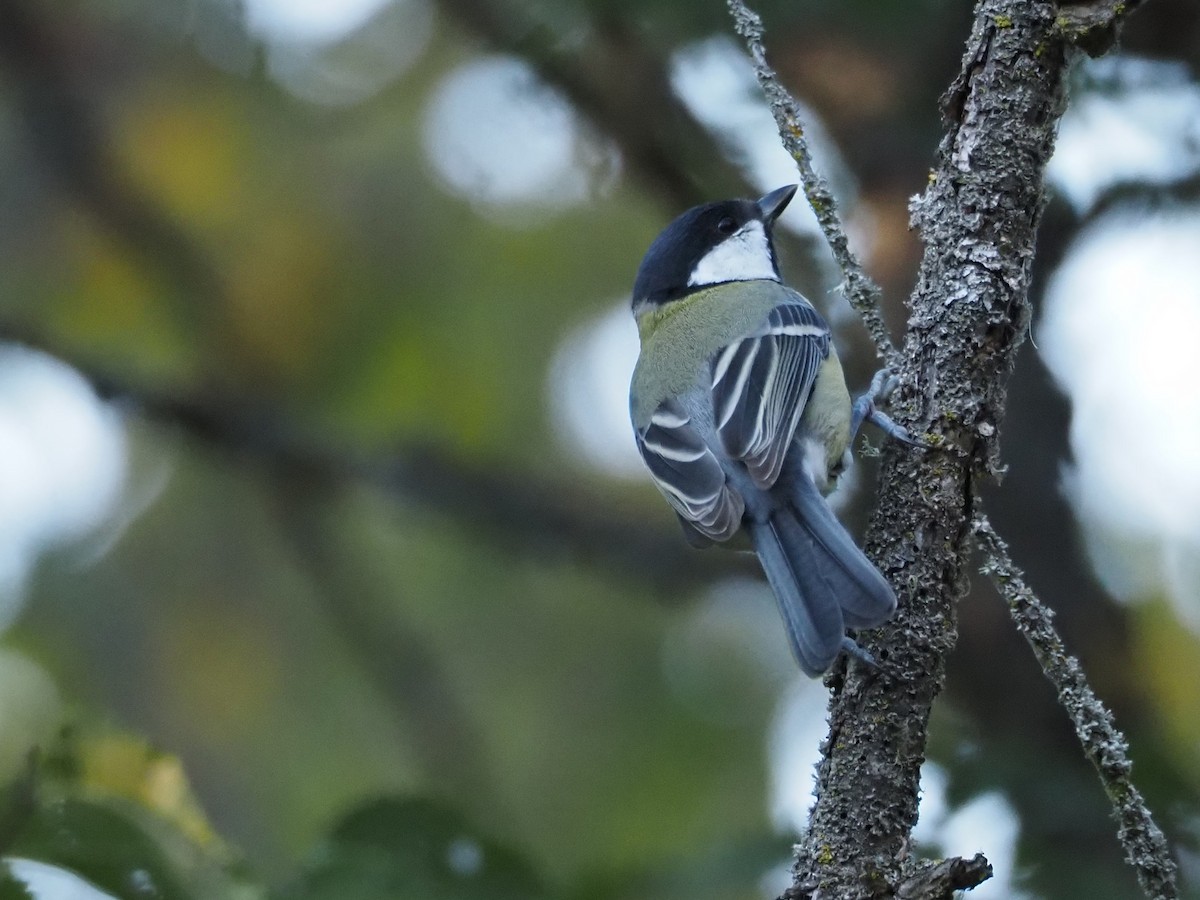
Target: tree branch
pixel 624 91
pixel 1094 26
pixel 409 675
pixel 515 510
pixel 939 881
pixel 861 291
pixel 73 143
pixel 978 217
pixel 1103 744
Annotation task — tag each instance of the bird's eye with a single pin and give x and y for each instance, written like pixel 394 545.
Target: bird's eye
pixel 727 225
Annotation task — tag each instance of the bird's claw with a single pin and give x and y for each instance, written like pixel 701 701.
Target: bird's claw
pixel 856 652
pixel 866 409
pixel 883 385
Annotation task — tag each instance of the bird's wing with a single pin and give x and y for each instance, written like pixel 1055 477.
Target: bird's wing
pixel 761 383
pixel 688 474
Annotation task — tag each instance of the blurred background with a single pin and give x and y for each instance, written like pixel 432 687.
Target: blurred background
pixel 327 568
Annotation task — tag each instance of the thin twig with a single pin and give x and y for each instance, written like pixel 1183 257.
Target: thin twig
pixel 1095 27
pixel 1145 846
pixel 860 289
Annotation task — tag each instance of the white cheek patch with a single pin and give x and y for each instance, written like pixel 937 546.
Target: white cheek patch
pixel 744 256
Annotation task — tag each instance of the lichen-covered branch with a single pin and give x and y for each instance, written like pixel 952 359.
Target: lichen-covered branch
pixel 861 291
pixel 978 219
pixel 1094 27
pixel 943 879
pixel 1103 744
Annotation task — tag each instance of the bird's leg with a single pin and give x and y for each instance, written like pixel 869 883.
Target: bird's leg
pixel 866 409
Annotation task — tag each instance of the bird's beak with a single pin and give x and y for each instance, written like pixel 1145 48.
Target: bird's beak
pixel 775 202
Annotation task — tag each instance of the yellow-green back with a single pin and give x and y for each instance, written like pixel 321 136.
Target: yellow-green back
pixel 680 337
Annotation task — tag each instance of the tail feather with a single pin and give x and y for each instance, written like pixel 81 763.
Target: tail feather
pixel 806 601
pixel 822 581
pixel 865 597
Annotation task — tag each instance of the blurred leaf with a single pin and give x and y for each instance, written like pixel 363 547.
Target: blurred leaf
pixel 104 846
pixel 113 303
pixel 17 803
pixel 125 766
pixel 1169 658
pixel 413 848
pixel 120 814
pixel 737 870
pixel 10 887
pixel 30 710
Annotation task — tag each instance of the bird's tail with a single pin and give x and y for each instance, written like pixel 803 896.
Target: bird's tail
pixel 822 581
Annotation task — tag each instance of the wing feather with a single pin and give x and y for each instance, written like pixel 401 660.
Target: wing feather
pixel 688 474
pixel 761 383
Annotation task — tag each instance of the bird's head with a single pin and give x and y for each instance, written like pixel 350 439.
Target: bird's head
pixel 730 240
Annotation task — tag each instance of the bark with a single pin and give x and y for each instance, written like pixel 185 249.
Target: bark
pixel 977 219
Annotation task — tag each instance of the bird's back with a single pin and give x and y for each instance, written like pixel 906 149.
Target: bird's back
pixel 688 332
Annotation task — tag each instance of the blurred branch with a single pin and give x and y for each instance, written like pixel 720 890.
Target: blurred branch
pixel 862 292
pixel 978 219
pixel 623 87
pixel 18 801
pixel 1144 197
pixel 397 660
pixel 624 90
pixel 74 147
pixel 515 510
pixel 1103 744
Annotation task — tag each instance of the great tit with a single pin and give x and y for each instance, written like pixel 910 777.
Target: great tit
pixel 740 411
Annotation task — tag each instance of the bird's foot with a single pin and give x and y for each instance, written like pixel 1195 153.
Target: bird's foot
pixel 856 652
pixel 866 409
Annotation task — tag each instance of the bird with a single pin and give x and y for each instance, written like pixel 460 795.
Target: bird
pixel 741 413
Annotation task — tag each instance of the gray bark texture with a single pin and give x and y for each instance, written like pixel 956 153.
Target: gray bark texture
pixel 978 219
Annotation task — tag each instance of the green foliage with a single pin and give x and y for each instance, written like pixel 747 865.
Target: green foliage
pixel 412 849
pixel 104 845
pixel 120 815
pixel 12 888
